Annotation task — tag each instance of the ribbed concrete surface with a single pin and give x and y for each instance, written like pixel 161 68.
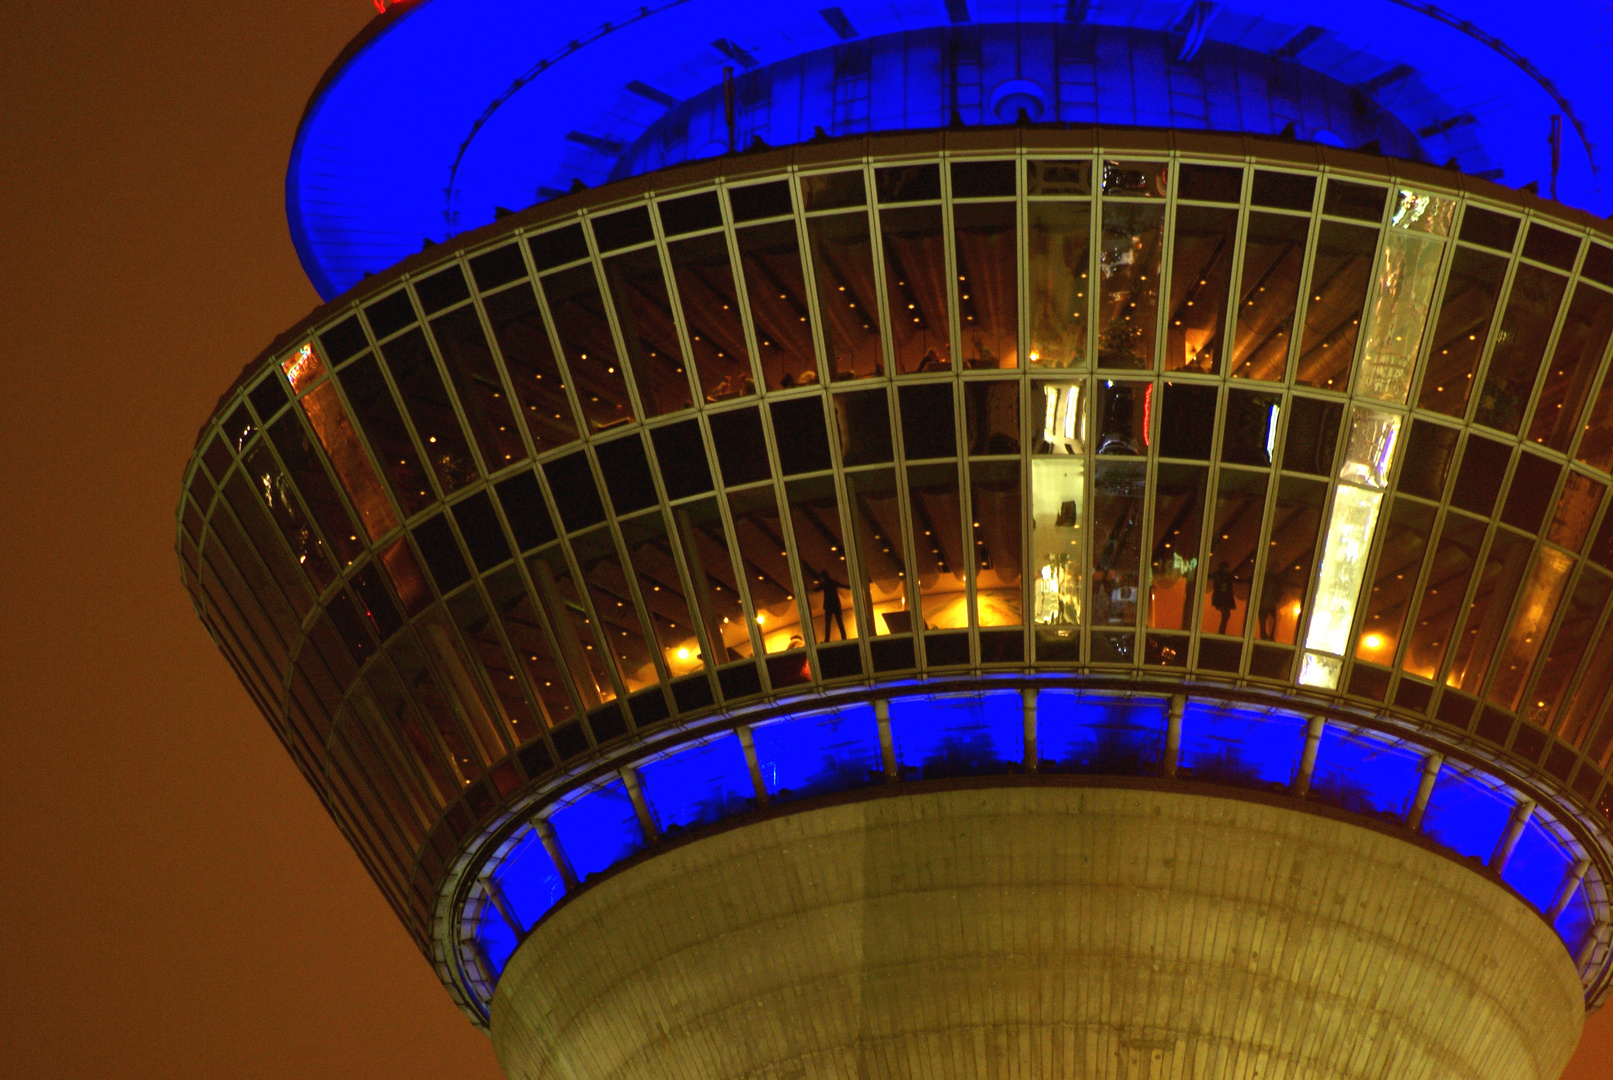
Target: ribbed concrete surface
pixel 1042 932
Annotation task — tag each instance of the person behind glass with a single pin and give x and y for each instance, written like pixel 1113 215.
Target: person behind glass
pixel 1271 598
pixel 1222 595
pixel 831 603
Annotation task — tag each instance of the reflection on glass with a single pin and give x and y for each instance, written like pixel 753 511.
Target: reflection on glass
pixel 355 473
pixel 815 520
pixel 649 553
pixel 619 624
pixel 770 258
pixel 409 359
pixel 1060 408
pixel 1124 410
pixel 939 565
pixel 862 417
pixel 378 416
pixel 421 684
pixel 1058 494
pixel 1370 449
pixel 1173 557
pixel 303 368
pixel 916 286
pixel 279 497
pixel 644 313
pixel 476 380
pixel 1591 695
pixel 1240 504
pixel 843 264
pixel 1059 243
pixel 1441 601
pixel 1290 556
pixel 1398 315
pixel 1128 284
pixel 1136 179
pixel 523 341
pixel 1571 522
pixel 1520 343
pixel 1400 560
pixel 1340 274
pixel 1416 212
pixel 572 626
pixel 708 554
pixel 520 620
pixel 759 545
pixel 482 637
pixel 877 525
pixel 705 281
pixel 1268 294
pixel 1486 619
pixel 1596 445
pixel 994 499
pixel 386 713
pixel 585 341
pixel 1580 345
pixel 249 511
pixel 1119 490
pixel 991 415
pixel 1201 280
pixel 988 284
pixel 1249 429
pixel 1338 585
pixel 1471 292
pixel 1536 609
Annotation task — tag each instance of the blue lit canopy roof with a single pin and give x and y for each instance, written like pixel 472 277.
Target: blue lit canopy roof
pixel 445 110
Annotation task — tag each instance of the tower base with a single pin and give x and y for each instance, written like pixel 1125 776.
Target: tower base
pixel 1042 930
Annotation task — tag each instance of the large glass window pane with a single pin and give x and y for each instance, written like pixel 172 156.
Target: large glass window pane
pixel 1519 345
pixel 1536 609
pixel 770 259
pixel 815 520
pixel 1571 522
pixel 515 611
pixel 455 667
pixel 1268 294
pixel 986 237
pixel 1059 246
pixel 1201 281
pixel 274 487
pixel 1058 510
pixel 994 499
pixel 1174 554
pixel 991 416
pixel 1340 275
pixel 938 562
pixel 1580 345
pixel 1400 560
pixel 378 415
pixel 608 587
pixel 529 358
pixel 1487 615
pixel 573 627
pixel 649 553
pixel 484 640
pixel 705 281
pixel 1119 504
pixel 759 536
pixel 1369 452
pixel 1123 415
pixel 1590 697
pixel 1058 411
pixel 644 313
pixel 708 555
pixel 476 380
pixel 1403 299
pixel 1128 283
pixel 1240 504
pixel 585 342
pixel 1338 586
pixel 421 388
pixel 843 265
pixel 916 285
pixel 1441 600
pixel 424 686
pixel 876 524
pixel 1290 557
pixel 334 429
pixel 1471 292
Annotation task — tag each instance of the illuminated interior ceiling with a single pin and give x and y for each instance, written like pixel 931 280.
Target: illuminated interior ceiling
pixel 445 110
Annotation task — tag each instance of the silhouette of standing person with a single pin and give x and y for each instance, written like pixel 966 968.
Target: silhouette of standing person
pixel 1271 598
pixel 1222 597
pixel 831 603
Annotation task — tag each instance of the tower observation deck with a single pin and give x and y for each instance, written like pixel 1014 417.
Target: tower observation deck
pixel 952 539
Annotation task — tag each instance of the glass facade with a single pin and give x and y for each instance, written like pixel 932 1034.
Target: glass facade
pixel 1115 415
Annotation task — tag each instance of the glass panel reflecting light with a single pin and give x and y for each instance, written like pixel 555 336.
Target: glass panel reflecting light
pixel 1471 291
pixel 1059 244
pixel 1398 315
pixel 1268 293
pixel 1341 273
pixel 843 265
pixel 1441 602
pixel 1201 279
pixel 994 502
pixel 1128 283
pixel 1344 567
pixel 916 288
pixel 1058 492
pixel 988 284
pixel 1536 610
pixel 1174 555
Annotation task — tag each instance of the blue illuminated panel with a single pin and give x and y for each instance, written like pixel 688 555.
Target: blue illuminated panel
pixel 1099 734
pixel 598 829
pixel 1465 814
pixel 496 939
pixel 1538 865
pixel 964 735
pixel 820 753
pixel 1577 922
pixel 1229 744
pixel 1365 773
pixel 529 881
pixel 699 784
